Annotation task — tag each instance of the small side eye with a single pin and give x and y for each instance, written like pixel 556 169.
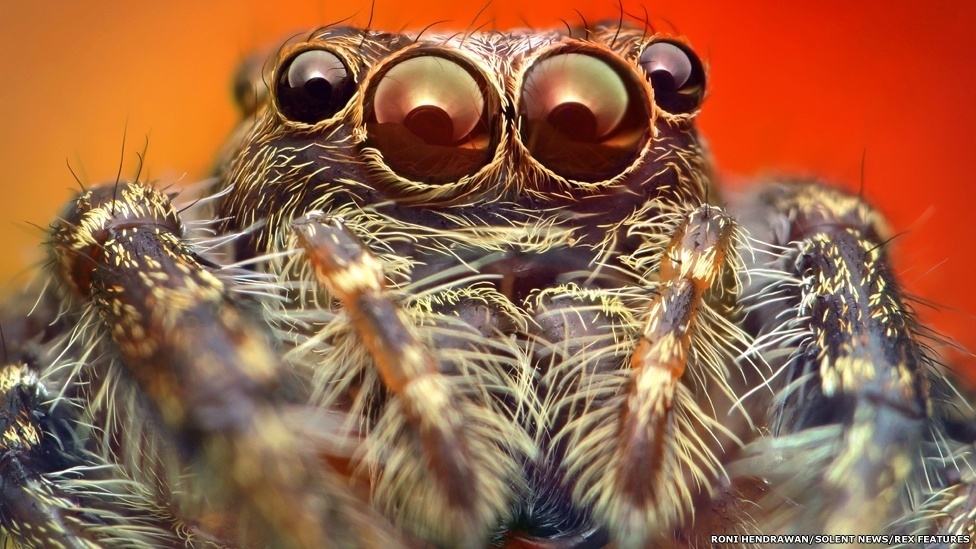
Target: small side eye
pixel 248 88
pixel 313 86
pixel 677 76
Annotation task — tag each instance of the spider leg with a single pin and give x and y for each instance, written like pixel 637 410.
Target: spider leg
pixel 643 443
pixel 208 373
pixel 52 493
pixel 445 462
pixel 853 382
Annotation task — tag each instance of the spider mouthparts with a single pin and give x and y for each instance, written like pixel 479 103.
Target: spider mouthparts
pixel 523 274
pixel 518 274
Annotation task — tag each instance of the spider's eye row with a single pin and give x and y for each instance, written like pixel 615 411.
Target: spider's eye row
pixel 433 118
pixel 582 117
pixel 677 76
pixel 313 85
pixel 430 117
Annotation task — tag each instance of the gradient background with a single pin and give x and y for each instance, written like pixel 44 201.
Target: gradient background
pixel 792 90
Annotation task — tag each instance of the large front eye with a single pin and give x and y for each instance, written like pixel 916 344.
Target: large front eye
pixel 428 116
pixel 581 118
pixel 677 76
pixel 313 86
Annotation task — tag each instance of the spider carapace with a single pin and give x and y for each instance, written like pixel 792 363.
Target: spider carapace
pixel 471 290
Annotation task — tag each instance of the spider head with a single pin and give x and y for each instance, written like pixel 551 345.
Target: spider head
pixel 447 148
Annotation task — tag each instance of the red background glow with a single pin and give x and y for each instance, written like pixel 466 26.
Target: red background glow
pixel 792 90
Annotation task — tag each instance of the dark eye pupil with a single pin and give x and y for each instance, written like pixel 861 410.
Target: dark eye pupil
pixel 574 120
pixel 430 123
pixel 676 75
pixel 664 81
pixel 319 88
pixel 313 86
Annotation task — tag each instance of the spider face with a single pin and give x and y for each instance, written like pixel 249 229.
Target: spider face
pixel 513 186
pixel 469 290
pixel 549 140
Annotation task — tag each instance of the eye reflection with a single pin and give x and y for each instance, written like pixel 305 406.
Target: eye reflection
pixel 581 118
pixel 428 116
pixel 313 86
pixel 677 76
pixel 579 94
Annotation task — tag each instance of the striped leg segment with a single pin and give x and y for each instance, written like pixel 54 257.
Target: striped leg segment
pixel 29 512
pixel 853 380
pixel 210 376
pixel 640 459
pixel 51 492
pixel 439 457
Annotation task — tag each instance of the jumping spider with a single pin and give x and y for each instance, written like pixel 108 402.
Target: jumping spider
pixel 471 290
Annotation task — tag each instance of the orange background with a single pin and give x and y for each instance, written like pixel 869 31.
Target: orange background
pixel 791 90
